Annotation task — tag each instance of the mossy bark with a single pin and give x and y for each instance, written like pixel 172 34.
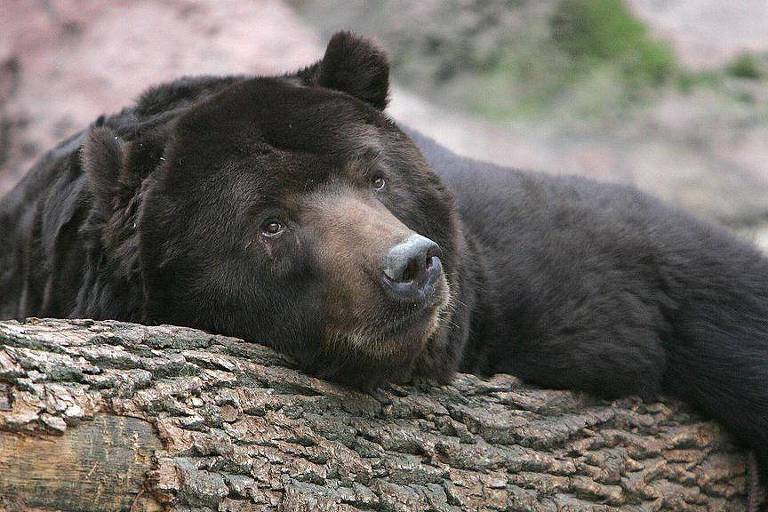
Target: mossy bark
pixel 109 416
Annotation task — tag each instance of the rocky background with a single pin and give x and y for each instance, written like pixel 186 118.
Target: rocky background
pixel 670 96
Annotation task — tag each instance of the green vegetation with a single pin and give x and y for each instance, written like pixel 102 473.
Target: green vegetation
pixel 745 66
pixel 588 59
pixel 604 32
pixel 687 81
pixel 568 61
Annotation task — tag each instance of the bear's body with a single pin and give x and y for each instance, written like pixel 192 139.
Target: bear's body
pixel 263 208
pixel 605 289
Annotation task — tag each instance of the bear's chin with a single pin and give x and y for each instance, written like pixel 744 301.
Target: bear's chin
pixel 368 361
pixel 407 343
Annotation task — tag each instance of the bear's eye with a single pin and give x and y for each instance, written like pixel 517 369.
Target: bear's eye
pixel 379 183
pixel 272 228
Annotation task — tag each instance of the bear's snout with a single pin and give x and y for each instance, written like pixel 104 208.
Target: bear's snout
pixel 382 280
pixel 412 268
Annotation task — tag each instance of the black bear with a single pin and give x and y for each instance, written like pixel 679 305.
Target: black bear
pixel 292 211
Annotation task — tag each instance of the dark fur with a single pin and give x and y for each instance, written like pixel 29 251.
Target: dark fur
pixel 153 216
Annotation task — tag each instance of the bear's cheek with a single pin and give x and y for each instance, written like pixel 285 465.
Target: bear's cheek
pixel 349 300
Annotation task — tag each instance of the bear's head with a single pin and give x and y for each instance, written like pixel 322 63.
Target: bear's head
pixel 292 211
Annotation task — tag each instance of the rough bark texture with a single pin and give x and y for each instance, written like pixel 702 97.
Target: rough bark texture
pixel 111 416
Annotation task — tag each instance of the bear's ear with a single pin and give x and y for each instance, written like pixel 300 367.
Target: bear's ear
pixel 102 159
pixel 354 65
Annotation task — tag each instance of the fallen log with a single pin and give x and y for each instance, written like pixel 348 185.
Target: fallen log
pixel 103 416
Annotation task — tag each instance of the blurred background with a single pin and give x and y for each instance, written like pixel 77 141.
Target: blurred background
pixel 668 95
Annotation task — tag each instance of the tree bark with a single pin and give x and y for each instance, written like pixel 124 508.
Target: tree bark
pixel 102 416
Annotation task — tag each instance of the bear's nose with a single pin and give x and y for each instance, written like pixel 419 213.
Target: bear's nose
pixel 412 268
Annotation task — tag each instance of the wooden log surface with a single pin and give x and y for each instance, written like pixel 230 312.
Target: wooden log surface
pixel 104 416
